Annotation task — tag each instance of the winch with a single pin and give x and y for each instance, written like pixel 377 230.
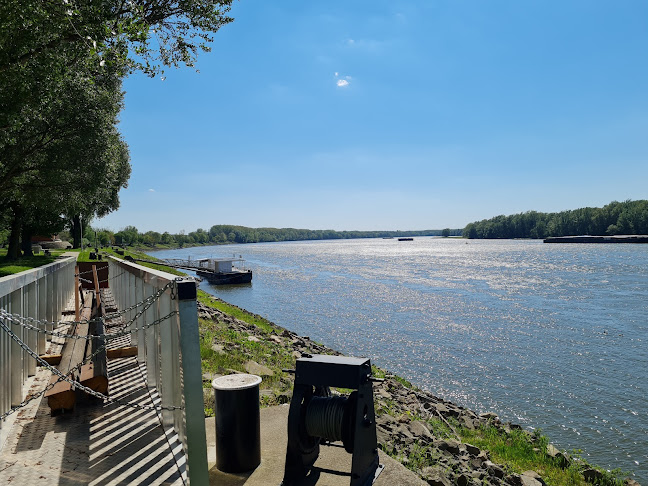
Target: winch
pixel 316 417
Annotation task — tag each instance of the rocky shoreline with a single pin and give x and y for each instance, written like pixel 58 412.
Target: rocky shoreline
pixel 418 428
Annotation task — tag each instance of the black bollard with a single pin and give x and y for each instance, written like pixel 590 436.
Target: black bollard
pixel 238 423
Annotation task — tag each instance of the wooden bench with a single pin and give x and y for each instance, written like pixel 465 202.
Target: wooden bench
pixel 62 396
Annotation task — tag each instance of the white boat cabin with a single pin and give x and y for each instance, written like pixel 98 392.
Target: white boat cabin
pixel 219 265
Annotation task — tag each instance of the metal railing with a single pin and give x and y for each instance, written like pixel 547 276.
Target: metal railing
pixel 160 314
pixel 41 294
pixel 170 350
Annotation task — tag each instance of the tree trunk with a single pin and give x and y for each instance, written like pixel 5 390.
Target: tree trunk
pixel 13 250
pixel 76 231
pixel 26 241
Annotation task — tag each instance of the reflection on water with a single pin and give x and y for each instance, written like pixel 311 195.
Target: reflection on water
pixel 551 336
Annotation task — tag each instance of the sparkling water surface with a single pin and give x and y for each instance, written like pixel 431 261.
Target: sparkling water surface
pixel 551 336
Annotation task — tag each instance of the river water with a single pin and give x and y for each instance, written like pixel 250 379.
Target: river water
pixel 552 336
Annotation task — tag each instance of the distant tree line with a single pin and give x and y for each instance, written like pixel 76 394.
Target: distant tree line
pixel 222 234
pixel 616 218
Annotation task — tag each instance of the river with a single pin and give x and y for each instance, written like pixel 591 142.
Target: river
pixel 552 336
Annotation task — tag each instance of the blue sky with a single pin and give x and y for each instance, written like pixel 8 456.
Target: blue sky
pixel 393 115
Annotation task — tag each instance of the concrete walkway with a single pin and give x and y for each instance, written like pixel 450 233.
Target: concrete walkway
pixel 332 468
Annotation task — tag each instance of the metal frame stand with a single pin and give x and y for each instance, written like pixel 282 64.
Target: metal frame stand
pixel 315 417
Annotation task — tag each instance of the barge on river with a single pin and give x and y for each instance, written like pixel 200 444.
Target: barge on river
pixel 221 271
pixel 217 271
pixel 598 239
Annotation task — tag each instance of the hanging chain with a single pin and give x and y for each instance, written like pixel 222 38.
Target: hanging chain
pixel 28 323
pixel 109 337
pixel 115 335
pixel 68 376
pixel 147 303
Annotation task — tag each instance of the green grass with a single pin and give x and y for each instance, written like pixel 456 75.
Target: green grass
pixel 142 256
pixel 517 451
pixel 23 263
pixel 238 349
pixel 520 451
pixel 234 311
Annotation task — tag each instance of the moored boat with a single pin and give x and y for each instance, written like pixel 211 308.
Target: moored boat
pixel 221 271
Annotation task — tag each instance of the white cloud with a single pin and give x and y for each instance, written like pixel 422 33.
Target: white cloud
pixel 337 74
pixel 342 83
pixel 350 42
pixel 151 190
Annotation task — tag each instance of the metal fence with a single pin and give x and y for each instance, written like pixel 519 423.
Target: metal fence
pixel 170 349
pixel 160 314
pixel 41 294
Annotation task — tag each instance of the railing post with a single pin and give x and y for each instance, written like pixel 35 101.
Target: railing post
pixel 130 300
pixel 168 355
pixel 16 351
pixel 196 440
pixel 77 297
pixel 49 298
pixel 41 285
pixel 151 339
pixel 5 364
pixel 178 394
pixel 139 323
pixel 70 278
pixel 31 308
pixel 56 297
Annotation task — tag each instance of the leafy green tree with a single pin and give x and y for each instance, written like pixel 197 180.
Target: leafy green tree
pixel 628 217
pixel 166 238
pixel 128 236
pixel 105 237
pixel 51 52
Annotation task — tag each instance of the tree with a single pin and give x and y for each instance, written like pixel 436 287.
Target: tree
pixel 628 217
pixel 128 236
pixel 58 60
pixel 445 233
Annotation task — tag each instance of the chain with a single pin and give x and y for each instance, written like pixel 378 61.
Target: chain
pixel 15 319
pixel 75 385
pixel 22 321
pixel 115 335
pixel 62 377
pixel 148 301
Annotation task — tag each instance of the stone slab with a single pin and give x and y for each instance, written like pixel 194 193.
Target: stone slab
pixel 333 464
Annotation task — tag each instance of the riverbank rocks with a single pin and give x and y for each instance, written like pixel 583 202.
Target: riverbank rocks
pixel 254 368
pixel 414 426
pixel 562 458
pixel 531 478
